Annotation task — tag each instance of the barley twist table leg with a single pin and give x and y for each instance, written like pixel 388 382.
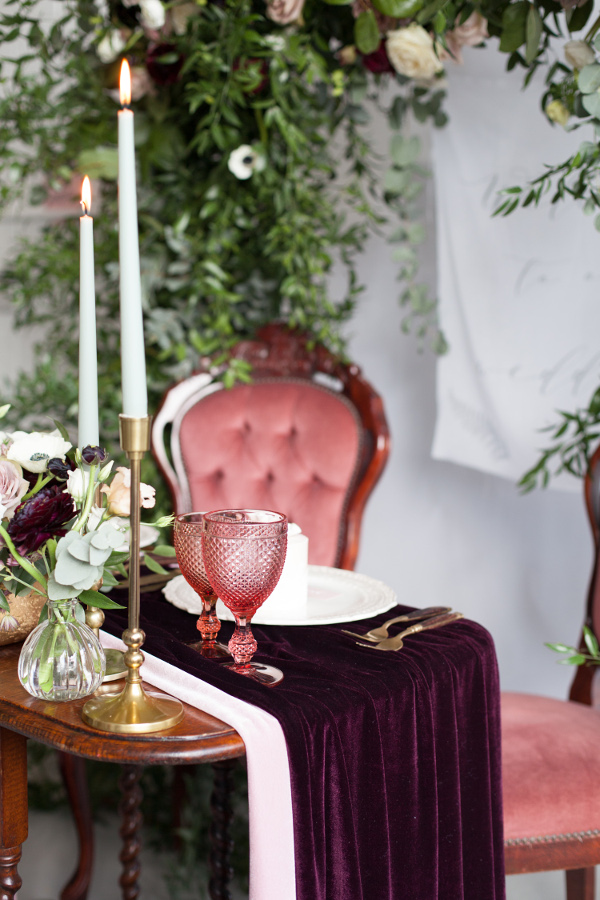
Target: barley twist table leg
pixel 221 843
pixel 13 809
pixel 131 823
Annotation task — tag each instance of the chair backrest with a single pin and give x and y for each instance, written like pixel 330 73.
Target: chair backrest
pixel 582 685
pixel 307 437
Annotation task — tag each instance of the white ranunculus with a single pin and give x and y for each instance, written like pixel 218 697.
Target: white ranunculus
pixel 77 485
pixel 111 45
pixel 579 54
pixel 244 160
pixel 12 487
pixel 410 50
pixel 152 14
pixel 32 451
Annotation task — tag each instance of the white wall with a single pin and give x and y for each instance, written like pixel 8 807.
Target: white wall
pixel 442 533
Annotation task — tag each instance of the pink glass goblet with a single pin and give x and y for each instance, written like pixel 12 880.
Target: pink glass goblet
pixel 187 538
pixel 244 552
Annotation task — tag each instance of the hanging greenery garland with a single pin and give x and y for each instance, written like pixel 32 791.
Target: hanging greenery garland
pixel 256 169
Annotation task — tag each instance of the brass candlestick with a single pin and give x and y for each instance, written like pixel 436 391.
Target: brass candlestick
pixel 133 711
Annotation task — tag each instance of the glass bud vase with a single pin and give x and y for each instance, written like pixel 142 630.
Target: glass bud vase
pixel 62 658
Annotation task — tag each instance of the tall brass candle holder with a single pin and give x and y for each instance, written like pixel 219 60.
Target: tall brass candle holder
pixel 133 711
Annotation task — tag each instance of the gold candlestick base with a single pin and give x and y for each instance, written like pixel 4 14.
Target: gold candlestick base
pixel 133 711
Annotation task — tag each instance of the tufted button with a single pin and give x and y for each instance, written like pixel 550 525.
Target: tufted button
pixel 218 475
pixel 293 431
pixel 247 427
pixel 270 477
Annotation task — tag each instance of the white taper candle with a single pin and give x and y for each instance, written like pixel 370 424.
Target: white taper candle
pixel 133 358
pixel 88 433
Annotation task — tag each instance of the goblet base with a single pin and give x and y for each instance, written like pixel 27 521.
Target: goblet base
pixel 216 651
pixel 267 675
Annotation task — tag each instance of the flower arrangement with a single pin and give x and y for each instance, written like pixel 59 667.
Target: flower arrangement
pixel 63 520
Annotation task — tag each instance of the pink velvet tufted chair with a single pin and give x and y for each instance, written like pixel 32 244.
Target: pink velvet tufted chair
pixel 551 761
pixel 307 437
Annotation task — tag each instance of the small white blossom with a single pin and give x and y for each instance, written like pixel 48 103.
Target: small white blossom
pixel 244 161
pixel 111 45
pixel 32 451
pixel 77 485
pixel 152 14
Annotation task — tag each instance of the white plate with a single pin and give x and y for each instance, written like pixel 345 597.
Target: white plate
pixel 148 536
pixel 334 595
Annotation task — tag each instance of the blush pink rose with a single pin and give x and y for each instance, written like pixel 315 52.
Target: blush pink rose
pixel 471 33
pixel 118 493
pixel 12 488
pixel 285 11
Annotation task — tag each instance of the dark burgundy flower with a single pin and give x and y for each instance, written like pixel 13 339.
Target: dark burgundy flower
pixel 163 63
pixel 93 455
pixel 40 518
pixel 60 468
pixel 378 62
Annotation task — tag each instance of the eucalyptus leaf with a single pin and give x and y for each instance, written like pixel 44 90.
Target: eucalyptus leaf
pixel 588 79
pixel 591 103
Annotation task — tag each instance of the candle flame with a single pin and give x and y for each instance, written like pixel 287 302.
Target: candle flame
pixel 86 196
pixel 125 84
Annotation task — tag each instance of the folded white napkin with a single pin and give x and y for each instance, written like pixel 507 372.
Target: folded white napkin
pixel 272 872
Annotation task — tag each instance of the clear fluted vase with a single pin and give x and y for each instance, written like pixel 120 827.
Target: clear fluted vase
pixel 62 658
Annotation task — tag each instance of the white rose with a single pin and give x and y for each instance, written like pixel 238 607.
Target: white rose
pixel 77 485
pixel 579 54
pixel 12 487
pixel 111 45
pixel 152 14
pixel 410 51
pixel 32 451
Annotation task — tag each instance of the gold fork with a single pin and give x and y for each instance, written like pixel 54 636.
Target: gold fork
pixel 380 633
pixel 396 642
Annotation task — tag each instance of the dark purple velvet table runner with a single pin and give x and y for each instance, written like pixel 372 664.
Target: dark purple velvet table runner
pixel 394 757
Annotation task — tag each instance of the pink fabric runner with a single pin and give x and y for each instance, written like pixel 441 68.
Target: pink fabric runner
pixel 272 873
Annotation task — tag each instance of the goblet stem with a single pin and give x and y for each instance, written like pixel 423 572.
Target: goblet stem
pixel 242 645
pixel 208 623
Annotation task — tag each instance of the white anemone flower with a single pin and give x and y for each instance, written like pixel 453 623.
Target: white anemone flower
pixel 110 47
pixel 244 161
pixel 32 451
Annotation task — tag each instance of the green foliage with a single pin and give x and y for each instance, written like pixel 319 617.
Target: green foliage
pixel 220 256
pixel 589 653
pixel 574 439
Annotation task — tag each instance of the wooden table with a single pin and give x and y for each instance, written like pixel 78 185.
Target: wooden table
pixel 199 738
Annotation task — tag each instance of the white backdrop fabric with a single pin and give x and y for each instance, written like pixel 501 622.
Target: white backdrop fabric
pixel 519 296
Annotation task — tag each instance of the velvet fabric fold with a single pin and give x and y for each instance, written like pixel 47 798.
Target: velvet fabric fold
pixel 394 757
